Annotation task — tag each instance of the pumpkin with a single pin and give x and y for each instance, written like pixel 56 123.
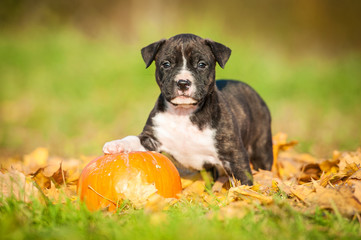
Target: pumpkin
pixel 135 176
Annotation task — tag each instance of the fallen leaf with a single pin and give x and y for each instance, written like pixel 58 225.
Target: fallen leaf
pixel 280 143
pixel 341 200
pixel 240 192
pixel 356 175
pixel 59 176
pixel 329 166
pixel 301 192
pixel 196 189
pixel 15 184
pixel 287 170
pixel 309 172
pixel 35 160
pixel 188 179
pixel 350 162
pixel 42 180
pixel 356 185
pixel 60 194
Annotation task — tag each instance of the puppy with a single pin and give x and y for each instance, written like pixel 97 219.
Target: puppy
pixel 201 122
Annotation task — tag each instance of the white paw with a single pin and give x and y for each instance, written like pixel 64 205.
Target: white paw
pixel 125 145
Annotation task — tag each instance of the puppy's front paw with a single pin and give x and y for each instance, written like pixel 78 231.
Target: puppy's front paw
pixel 117 146
pixel 125 145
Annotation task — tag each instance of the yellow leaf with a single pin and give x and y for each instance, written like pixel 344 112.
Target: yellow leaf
pixel 287 170
pixel 60 194
pixel 263 178
pixel 348 169
pixel 35 160
pixel 196 188
pixel 275 186
pixel 73 168
pixel 350 162
pixel 188 179
pixel 239 192
pixel 329 166
pixel 301 192
pixel 42 180
pixel 278 184
pixel 280 143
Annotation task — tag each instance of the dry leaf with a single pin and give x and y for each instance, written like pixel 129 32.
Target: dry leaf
pixel 280 144
pixel 301 192
pixel 356 175
pixel 35 160
pixel 330 184
pixel 59 176
pixel 187 180
pixel 15 184
pixel 330 166
pixel 287 170
pixel 357 189
pixel 60 194
pixel 341 200
pixel 196 188
pixel 245 192
pixel 42 180
pixel 309 172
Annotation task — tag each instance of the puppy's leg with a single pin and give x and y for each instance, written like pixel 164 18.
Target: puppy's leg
pixel 126 145
pixel 239 168
pixel 262 152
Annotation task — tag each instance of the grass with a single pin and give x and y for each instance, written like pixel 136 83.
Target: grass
pixel 184 220
pixel 71 93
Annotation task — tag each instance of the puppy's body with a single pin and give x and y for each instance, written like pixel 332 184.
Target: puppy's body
pixel 200 122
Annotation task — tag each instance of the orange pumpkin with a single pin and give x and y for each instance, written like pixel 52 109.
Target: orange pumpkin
pixel 134 176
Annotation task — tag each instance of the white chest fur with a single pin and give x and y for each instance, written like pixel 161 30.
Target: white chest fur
pixel 183 140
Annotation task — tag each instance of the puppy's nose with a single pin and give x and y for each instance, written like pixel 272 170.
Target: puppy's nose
pixel 183 85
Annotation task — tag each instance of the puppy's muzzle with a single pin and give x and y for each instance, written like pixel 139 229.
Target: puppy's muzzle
pixel 183 85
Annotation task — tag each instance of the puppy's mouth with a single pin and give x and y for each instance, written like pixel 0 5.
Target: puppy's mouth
pixel 184 101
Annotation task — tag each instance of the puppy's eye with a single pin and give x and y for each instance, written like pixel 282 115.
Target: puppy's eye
pixel 166 64
pixel 202 64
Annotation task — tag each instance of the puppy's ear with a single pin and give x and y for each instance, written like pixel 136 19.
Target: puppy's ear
pixel 149 52
pixel 220 52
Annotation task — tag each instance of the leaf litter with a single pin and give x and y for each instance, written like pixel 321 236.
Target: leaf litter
pixel 305 182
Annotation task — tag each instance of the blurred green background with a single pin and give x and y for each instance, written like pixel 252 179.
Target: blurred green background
pixel 72 77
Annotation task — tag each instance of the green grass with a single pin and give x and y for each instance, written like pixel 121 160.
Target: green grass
pixel 70 93
pixel 184 220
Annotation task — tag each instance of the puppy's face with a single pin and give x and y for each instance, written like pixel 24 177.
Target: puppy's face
pixel 185 67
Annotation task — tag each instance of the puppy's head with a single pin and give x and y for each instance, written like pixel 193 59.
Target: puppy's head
pixel 185 67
